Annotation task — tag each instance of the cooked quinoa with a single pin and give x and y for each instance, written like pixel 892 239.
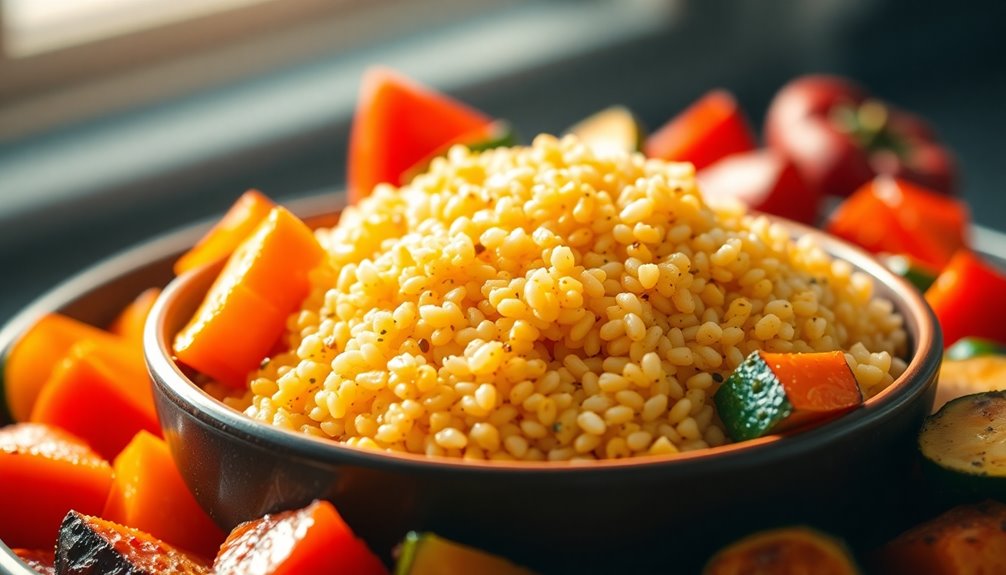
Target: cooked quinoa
pixel 546 303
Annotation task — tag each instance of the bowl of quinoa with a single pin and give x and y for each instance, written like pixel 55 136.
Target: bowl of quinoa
pixel 541 329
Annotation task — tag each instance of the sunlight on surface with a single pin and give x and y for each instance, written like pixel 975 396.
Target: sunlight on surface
pixel 36 26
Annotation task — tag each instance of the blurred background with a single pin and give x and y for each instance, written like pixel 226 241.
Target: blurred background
pixel 121 119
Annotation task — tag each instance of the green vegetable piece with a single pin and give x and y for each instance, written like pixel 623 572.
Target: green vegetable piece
pixel 752 401
pixel 964 445
pixel 917 275
pixel 970 347
pixel 613 129
pixel 429 554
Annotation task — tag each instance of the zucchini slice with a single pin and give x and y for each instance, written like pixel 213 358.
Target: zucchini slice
pixel 612 130
pixel 964 444
pixel 429 554
pixel 967 376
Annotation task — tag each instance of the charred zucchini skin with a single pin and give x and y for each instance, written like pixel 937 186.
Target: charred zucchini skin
pixel 964 482
pixel 752 401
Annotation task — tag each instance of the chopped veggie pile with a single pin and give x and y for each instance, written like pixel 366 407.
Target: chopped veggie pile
pixel 90 487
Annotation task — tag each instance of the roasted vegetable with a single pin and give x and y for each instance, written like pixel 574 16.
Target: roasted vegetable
pixel 967 540
pixel 839 137
pixel 917 274
pixel 612 130
pixel 130 321
pixel 786 551
pixel 428 554
pixel 149 494
pixel 223 238
pixel 309 541
pixel 897 217
pixel 37 352
pixel 968 299
pixel 92 546
pixel 46 472
pixel 41 560
pixel 763 180
pixel 964 444
pixel 245 311
pixel 397 124
pixel 100 392
pixel 967 376
pixel 711 128
pixel 773 392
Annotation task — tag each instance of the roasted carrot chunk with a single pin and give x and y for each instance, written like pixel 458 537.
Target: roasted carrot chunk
pixel 223 238
pixel 41 560
pixel 786 551
pixel 130 321
pixel 91 546
pixel 36 353
pixel 309 541
pixel 245 311
pixel 149 494
pixel 970 539
pixel 46 472
pixel 100 392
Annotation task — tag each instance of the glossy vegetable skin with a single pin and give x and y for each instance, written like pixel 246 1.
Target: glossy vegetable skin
pixel 99 383
pixel 967 540
pixel 785 551
pixel 309 541
pixel 92 546
pixel 46 472
pixel 963 444
pixel 149 494
pixel 840 138
pixel 710 129
pixel 774 392
pixel 31 360
pixel 130 321
pixel 245 311
pixel 897 217
pixel 397 124
pixel 429 554
pixel 972 347
pixel 968 298
pixel 763 180
pixel 223 238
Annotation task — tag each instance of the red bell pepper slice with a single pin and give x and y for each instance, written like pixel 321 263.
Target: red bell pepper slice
pixel 897 217
pixel 968 299
pixel 712 128
pixel 764 180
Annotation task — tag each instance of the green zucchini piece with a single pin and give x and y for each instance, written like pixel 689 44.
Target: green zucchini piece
pixel 429 554
pixel 611 130
pixel 496 135
pixel 774 392
pixel 964 444
pixel 91 546
pixel 916 274
pixel 970 347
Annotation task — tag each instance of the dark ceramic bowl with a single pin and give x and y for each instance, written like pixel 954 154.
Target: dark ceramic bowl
pixel 632 514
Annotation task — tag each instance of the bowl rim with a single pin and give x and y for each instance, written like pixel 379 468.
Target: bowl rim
pixel 919 322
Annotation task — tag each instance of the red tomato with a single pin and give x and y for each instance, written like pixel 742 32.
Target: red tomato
pixel 765 181
pixel 967 298
pixel 840 138
pixel 397 124
pixel 712 128
pixel 896 217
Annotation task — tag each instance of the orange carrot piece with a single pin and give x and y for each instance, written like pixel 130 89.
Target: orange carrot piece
pixel 149 494
pixel 966 539
pixel 223 238
pixel 130 321
pixel 34 356
pixel 46 472
pixel 100 392
pixel 783 551
pixel 309 541
pixel 245 311
pixel 816 384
